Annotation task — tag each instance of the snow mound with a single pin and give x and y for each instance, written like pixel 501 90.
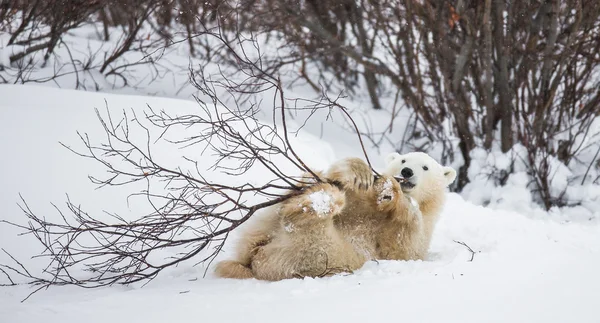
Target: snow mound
pixel 521 269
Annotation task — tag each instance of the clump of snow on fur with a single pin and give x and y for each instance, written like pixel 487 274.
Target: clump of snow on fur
pixel 321 202
pixel 387 191
pixel 289 227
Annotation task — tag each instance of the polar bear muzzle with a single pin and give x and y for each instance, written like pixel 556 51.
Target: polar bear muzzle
pixel 408 179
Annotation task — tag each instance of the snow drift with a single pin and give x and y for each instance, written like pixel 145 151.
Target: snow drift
pixel 522 268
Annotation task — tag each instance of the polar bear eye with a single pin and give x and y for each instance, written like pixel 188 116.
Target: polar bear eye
pixel 403 161
pixel 425 168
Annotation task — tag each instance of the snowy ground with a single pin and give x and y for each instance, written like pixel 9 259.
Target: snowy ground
pixel 524 269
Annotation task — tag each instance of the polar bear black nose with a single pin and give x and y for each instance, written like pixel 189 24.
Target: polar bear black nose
pixel 406 172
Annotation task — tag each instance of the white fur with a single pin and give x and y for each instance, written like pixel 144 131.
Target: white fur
pixel 429 187
pixel 436 175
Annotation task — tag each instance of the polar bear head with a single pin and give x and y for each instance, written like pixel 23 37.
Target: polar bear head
pixel 425 177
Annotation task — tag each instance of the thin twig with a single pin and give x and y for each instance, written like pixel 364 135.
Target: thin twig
pixel 470 250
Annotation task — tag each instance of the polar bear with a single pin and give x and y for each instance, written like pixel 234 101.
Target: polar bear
pixel 382 222
pixel 299 237
pixel 424 183
pixel 392 217
pixel 366 219
pixel 307 243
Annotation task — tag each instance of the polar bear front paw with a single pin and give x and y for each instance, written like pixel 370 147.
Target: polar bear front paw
pixel 352 173
pixel 387 193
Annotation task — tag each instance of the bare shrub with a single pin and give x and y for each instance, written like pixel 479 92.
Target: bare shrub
pixel 488 74
pixel 501 72
pixel 192 215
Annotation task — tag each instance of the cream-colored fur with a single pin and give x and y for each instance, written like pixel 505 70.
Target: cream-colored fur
pixel 387 220
pixel 427 188
pixel 368 220
pixel 298 240
pixel 307 242
pixel 397 221
pixel 273 246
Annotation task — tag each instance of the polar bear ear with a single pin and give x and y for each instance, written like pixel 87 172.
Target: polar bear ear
pixel 449 174
pixel 391 157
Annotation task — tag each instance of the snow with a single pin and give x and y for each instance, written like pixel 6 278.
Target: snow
pixel 387 191
pixel 320 202
pixel 7 51
pixel 170 78
pixel 516 192
pixel 525 269
pixel 530 265
pixel 289 227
